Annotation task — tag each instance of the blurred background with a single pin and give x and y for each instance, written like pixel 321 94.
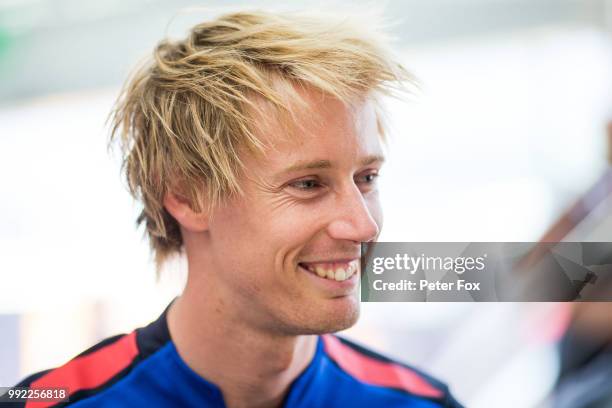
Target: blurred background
pixel 506 142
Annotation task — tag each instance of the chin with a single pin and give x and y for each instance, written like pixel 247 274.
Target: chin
pixel 339 315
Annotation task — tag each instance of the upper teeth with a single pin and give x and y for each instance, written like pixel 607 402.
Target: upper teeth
pixel 337 271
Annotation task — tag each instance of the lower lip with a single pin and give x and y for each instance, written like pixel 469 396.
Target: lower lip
pixel 338 288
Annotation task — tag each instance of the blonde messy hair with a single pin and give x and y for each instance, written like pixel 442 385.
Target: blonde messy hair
pixel 182 118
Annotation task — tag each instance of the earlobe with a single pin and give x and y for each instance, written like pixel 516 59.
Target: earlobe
pixel 183 213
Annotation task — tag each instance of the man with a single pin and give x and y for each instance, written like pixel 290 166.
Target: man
pixel 254 145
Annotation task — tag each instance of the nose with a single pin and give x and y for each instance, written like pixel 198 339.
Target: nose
pixel 353 219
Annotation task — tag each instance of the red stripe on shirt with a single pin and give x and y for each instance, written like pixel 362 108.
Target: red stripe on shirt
pixel 376 372
pixel 89 371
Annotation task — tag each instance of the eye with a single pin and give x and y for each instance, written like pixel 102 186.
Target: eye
pixel 306 184
pixel 368 178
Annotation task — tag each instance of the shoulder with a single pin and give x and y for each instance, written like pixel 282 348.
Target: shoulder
pixel 92 370
pixel 372 368
pixel 102 365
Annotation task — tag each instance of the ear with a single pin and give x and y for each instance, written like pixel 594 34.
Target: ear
pixel 180 208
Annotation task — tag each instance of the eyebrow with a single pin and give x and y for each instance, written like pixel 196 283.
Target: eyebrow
pixel 326 164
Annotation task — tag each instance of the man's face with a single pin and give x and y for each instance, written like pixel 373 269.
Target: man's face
pixel 282 252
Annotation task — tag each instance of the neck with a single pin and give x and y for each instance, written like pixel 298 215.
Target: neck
pixel 252 367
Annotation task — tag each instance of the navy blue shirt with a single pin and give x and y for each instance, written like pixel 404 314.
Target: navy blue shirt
pixel 143 368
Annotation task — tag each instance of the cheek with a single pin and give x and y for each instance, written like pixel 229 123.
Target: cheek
pixel 236 241
pixel 262 243
pixel 290 230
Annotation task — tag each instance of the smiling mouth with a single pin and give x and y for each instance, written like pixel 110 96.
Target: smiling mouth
pixel 338 271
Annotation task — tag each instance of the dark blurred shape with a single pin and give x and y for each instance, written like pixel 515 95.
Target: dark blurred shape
pixel 599 192
pixel 585 378
pixel 585 350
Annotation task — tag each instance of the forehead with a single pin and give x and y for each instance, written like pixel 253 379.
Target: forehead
pixel 320 127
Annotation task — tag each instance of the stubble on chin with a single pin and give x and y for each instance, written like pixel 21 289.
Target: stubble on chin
pixel 331 321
